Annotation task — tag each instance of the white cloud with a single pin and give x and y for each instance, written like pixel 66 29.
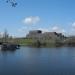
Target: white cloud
pixel 55 29
pixel 63 31
pixel 72 29
pixel 23 29
pixel 31 20
pixel 58 29
pixel 43 29
pixel 1 34
pixel 73 24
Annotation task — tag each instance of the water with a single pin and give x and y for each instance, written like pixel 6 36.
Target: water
pixel 38 61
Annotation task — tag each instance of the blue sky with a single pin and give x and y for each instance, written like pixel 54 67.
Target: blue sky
pixel 47 15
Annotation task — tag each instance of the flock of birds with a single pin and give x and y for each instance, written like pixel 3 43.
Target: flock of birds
pixel 12 2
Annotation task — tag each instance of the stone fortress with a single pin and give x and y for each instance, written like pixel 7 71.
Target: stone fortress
pixel 38 34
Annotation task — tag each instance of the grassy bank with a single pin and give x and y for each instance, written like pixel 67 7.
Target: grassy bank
pixel 42 42
pixel 39 43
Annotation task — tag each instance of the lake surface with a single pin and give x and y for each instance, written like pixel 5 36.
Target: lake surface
pixel 38 61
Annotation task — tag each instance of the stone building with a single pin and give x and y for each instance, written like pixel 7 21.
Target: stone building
pixel 37 34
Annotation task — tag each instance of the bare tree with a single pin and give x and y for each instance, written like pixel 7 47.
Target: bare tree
pixel 5 36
